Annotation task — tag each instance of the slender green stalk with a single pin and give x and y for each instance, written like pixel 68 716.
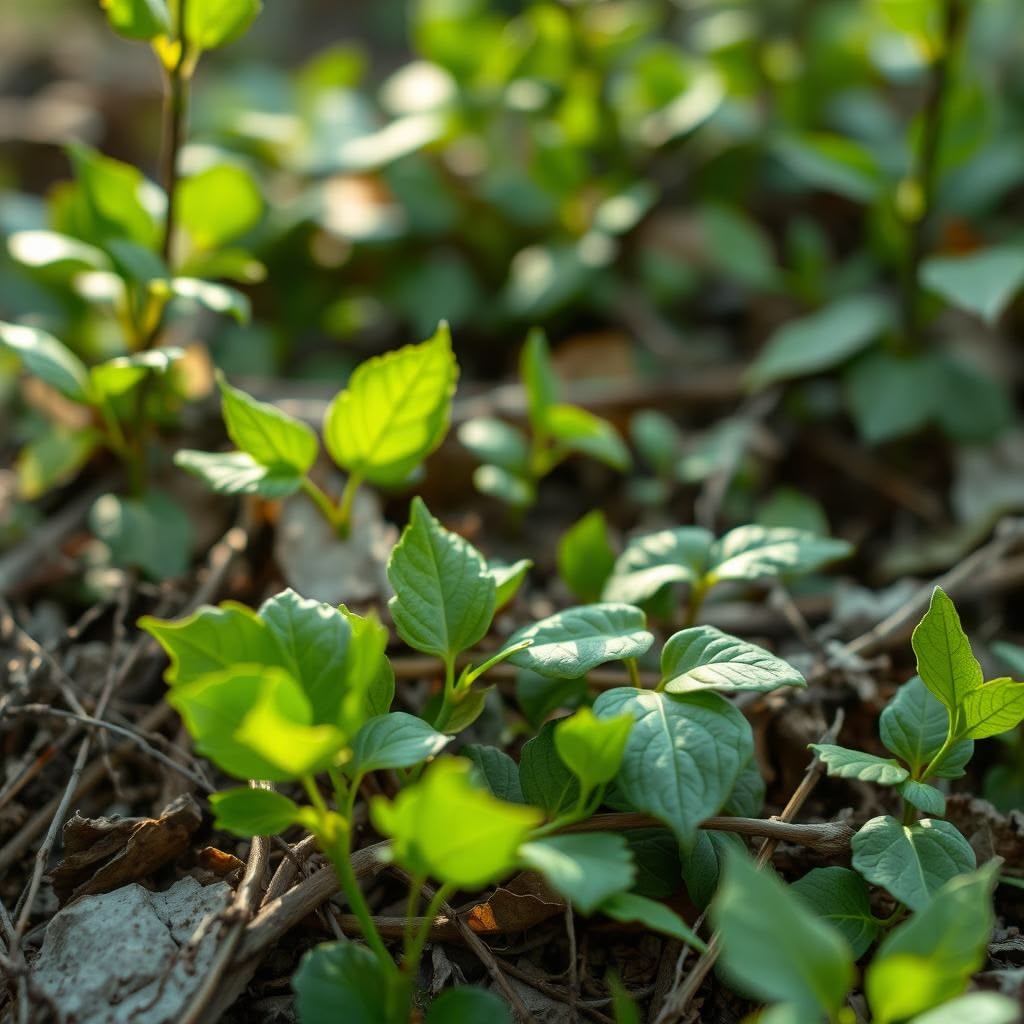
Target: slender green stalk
pixel 634 673
pixel 414 950
pixel 175 115
pixel 951 738
pixel 448 700
pixel 697 594
pixel 343 516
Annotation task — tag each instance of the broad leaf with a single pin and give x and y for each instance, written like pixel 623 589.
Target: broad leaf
pixel 925 798
pixel 585 556
pixel 586 869
pixel 497 443
pixel 256 723
pixel 821 340
pixel 394 412
pixel 117 376
pixel 841 897
pixel 138 19
pixel 891 394
pixel 753 552
pixel 445 827
pixel 982 282
pixel 539 380
pixel 546 780
pixel 629 907
pixel 152 533
pixel 702 866
pixel 657 559
pixel 507 580
pixel 496 771
pixel 977 1007
pixel 239 473
pixel 253 812
pixel 945 661
pixel 912 862
pixel 581 431
pixel 396 740
pixel 775 948
pixel 213 23
pixel 50 249
pixel 444 594
pixel 844 763
pixel 994 708
pixel 218 204
pixel 343 980
pixel 53 458
pixel 930 958
pixel 49 360
pixel 211 295
pixel 571 643
pixel 270 436
pixel 914 725
pixel 683 756
pixel 705 658
pixel 592 748
pixel 466 1005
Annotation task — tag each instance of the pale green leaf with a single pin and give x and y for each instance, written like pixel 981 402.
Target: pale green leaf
pixel 211 295
pixel 53 458
pixel 507 580
pixel 394 741
pixel 981 282
pixel 444 595
pixel 578 430
pixel 539 380
pixel 654 560
pixel 925 798
pixel 497 443
pixel 239 473
pixel 912 862
pixel 841 897
pixel 754 552
pixel 49 360
pixel 844 763
pixel 394 412
pixel 500 484
pixel 914 725
pixel 629 907
pixel 45 249
pixel 571 643
pixel 585 869
pixel 705 658
pixel 152 533
pixel 976 1007
pixel 586 557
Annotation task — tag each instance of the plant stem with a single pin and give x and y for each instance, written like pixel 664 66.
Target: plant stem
pixel 175 113
pixel 926 173
pixel 634 673
pixel 951 738
pixel 414 950
pixel 697 594
pixel 343 516
pixel 448 701
pixel 321 499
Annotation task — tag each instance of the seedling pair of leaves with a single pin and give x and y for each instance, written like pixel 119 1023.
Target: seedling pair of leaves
pixel 393 413
pixel 653 565
pixel 930 725
pixel 778 947
pixel 514 463
pixel 105 396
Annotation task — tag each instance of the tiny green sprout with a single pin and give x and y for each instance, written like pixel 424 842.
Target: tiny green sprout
pixel 379 429
pixel 512 463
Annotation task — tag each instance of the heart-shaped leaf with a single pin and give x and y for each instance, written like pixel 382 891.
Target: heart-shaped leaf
pixel 397 740
pixel 705 658
pixel 914 726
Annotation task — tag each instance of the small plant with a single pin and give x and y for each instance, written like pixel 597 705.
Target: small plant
pixel 379 429
pixel 514 463
pixel 655 562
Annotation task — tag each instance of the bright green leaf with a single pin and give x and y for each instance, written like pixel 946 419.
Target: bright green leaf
pixel 213 23
pixel 253 812
pixel 586 869
pixel 218 204
pixel 539 380
pixel 585 556
pixel 945 661
pixel 994 708
pixel 592 748
pixel 914 725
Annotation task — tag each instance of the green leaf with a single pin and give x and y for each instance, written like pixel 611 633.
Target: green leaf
pixel 571 643
pixel 371 679
pixel 656 855
pixel 546 780
pixel 153 533
pixel 914 725
pixel 791 508
pixel 930 958
pixel 254 722
pixel 497 443
pixel 396 740
pixel 971 405
pixel 444 595
pixel 213 23
pixel 394 412
pixel 270 436
pixel 705 658
pixel 657 438
pixel 119 375
pixel 468 1005
pixel 701 867
pixel 925 798
pixel 581 431
pixel 982 282
pixel 539 380
pixel 834 163
pixel 683 756
pixel 841 897
pixel 507 580
pixel 592 748
pixel 994 708
pixel 891 395
pixel 945 662
pixel 500 484
pixel 212 639
pixel 977 1007
pixel 821 340
pixel 753 552
pixel 747 796
pixel 912 862
pixel 53 458
pixel 844 763
pixel 585 556
pixel 629 907
pixel 218 298
pixel 218 204
pixel 774 948
pixel 445 827
pixel 253 812
pixel 49 360
pixel 239 473
pixel 585 869
pixel 50 249
pixel 496 771
pixel 343 980
pixel 138 19
pixel 657 559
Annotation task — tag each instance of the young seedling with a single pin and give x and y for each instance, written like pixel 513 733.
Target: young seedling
pixel 654 563
pixel 513 464
pixel 393 413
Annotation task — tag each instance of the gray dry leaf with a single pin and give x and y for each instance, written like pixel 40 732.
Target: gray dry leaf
pixel 114 958
pixel 319 565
